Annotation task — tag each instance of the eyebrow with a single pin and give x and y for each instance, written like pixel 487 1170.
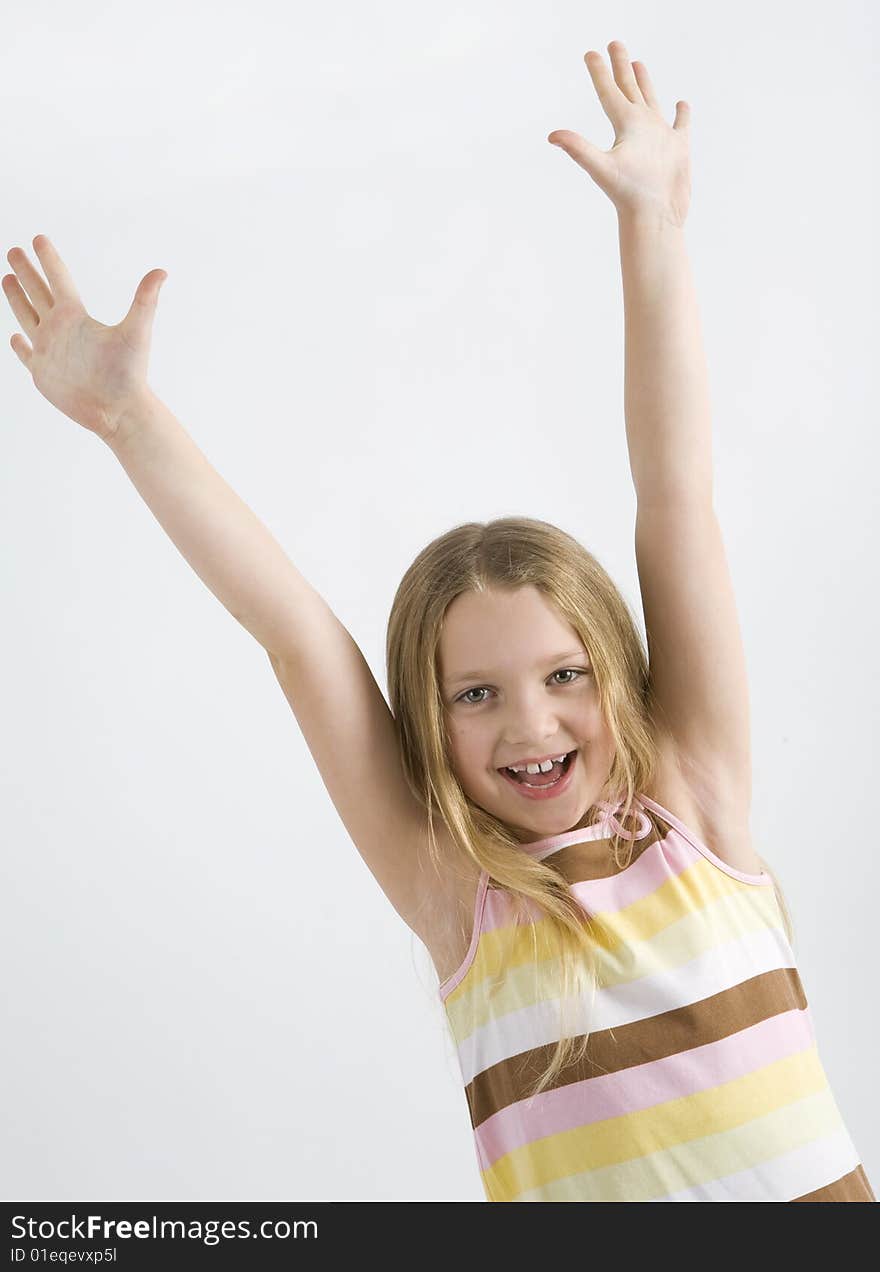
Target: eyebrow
pixel 566 656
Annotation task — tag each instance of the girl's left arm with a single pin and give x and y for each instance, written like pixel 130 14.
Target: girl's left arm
pixel 698 671
pixel 698 674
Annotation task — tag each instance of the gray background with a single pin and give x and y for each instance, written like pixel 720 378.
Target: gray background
pixel 392 306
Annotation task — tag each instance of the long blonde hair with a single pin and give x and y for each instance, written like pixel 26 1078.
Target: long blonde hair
pixel 512 552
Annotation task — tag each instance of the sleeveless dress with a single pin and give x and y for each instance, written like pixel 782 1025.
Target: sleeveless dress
pixel 702 1080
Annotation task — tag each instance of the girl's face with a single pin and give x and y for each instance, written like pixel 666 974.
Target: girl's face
pixel 517 685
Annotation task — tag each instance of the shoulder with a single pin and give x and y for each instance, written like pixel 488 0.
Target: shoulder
pixel 720 818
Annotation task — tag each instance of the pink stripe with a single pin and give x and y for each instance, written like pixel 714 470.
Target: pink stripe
pixel 639 1087
pixel 663 861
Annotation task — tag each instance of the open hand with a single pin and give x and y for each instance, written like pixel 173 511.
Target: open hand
pixel 86 369
pixel 648 167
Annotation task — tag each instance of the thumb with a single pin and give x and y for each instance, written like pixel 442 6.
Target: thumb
pixel 583 152
pixel 138 322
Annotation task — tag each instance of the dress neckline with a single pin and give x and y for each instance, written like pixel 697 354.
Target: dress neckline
pixel 596 830
pixel 608 823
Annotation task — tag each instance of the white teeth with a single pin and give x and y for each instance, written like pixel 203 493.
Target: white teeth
pixel 537 768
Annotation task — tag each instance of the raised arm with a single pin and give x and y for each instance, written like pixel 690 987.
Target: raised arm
pixel 226 544
pixel 697 663
pixel 323 674
pixel 96 375
pixel 698 670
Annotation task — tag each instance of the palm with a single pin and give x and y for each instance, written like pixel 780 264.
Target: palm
pixel 649 164
pixel 80 365
pixel 83 367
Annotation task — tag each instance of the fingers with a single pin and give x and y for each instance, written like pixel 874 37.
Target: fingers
pixel 30 297
pixel 583 152
pixel 21 349
pixel 56 271
pixel 630 80
pixel 623 71
pixel 607 91
pixel 24 311
pixel 29 284
pixel 682 122
pixel 644 81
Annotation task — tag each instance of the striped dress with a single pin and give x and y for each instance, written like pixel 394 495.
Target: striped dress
pixel 702 1080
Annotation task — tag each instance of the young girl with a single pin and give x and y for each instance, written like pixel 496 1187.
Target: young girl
pixel 562 823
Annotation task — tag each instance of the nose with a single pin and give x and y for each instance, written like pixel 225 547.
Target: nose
pixel 533 729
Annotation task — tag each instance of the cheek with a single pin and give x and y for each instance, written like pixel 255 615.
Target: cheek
pixel 470 752
pixel 603 747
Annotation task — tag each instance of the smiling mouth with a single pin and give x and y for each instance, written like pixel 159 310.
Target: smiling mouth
pixel 521 779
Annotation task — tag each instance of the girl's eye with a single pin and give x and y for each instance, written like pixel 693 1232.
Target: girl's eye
pixel 574 672
pixel 469 701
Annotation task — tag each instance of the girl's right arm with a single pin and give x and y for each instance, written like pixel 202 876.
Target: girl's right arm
pixel 338 705
pixel 96 375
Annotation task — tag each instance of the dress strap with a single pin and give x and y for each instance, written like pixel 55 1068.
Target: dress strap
pixel 609 809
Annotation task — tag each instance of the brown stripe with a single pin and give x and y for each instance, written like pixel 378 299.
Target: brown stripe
pixel 594 859
pixel 666 1034
pixel 851 1187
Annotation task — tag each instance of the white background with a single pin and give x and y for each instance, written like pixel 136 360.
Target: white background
pixel 392 306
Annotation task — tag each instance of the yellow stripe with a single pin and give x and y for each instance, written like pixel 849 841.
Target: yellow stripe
pixel 812 1120
pixel 658 1128
pixel 699 884
pixel 664 930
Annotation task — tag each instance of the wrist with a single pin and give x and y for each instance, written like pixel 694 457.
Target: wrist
pixel 651 219
pixel 129 417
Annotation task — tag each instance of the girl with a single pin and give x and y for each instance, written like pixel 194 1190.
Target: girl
pixel 564 824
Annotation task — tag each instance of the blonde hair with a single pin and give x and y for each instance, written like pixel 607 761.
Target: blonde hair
pixel 512 552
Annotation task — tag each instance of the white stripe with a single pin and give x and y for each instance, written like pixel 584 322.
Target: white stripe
pixel 782 1178
pixel 715 970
